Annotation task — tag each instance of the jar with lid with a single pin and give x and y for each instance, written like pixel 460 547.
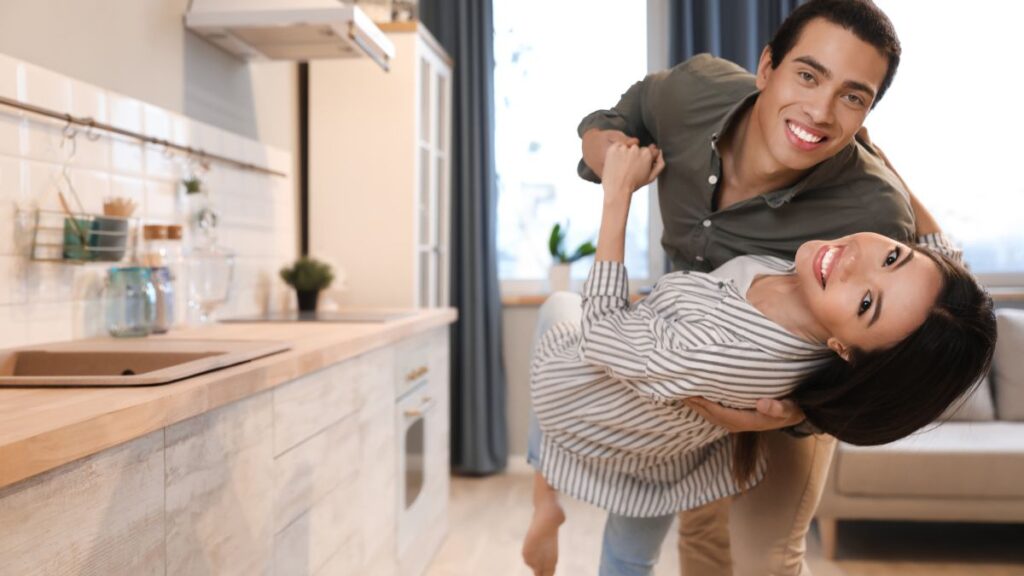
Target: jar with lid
pixel 154 247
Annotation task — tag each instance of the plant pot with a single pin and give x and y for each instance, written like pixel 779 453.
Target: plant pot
pixel 307 300
pixel 559 277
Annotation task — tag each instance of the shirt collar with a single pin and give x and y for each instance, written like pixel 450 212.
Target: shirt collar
pixel 821 173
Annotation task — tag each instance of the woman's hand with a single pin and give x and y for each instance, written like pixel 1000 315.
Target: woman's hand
pixel 629 168
pixel 626 169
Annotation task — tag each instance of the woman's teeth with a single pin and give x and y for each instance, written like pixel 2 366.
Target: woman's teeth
pixel 826 264
pixel 803 134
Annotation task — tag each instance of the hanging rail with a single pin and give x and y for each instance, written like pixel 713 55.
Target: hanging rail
pixel 93 124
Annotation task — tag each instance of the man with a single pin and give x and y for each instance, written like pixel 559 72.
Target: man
pixel 757 165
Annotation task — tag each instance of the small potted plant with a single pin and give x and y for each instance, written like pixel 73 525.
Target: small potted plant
pixel 308 276
pixel 192 184
pixel 558 276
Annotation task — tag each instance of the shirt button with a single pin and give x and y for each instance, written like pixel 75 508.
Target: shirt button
pixel 721 284
pixel 706 223
pixel 712 179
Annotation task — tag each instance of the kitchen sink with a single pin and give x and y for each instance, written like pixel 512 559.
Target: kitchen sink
pixel 115 362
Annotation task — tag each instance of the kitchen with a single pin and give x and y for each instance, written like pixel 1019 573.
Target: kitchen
pixel 214 447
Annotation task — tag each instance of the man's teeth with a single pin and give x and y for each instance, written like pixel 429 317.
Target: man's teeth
pixel 826 263
pixel 803 134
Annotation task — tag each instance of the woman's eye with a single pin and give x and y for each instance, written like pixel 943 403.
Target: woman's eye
pixel 865 304
pixel 892 257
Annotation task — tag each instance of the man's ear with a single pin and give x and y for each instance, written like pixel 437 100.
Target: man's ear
pixel 839 348
pixel 764 68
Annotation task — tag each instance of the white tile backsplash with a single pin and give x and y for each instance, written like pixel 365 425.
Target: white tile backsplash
pixel 44 301
pixel 88 101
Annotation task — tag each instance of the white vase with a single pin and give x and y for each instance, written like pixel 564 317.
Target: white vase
pixel 559 277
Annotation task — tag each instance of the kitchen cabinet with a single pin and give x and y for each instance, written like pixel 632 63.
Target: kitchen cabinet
pixel 300 479
pixel 379 171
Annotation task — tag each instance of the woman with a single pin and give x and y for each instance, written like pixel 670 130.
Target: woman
pixel 871 338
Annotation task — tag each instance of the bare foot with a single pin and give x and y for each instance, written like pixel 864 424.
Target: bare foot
pixel 540 548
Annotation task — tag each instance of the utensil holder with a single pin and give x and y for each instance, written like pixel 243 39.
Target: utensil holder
pixel 81 237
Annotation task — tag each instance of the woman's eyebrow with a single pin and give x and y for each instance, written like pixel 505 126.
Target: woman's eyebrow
pixel 878 303
pixel 905 260
pixel 878 306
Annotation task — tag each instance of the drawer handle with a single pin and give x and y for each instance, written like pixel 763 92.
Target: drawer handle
pixel 426 406
pixel 416 374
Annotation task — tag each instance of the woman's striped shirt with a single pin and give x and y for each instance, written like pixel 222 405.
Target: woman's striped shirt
pixel 608 394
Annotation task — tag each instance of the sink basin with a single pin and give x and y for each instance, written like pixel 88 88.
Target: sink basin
pixel 113 362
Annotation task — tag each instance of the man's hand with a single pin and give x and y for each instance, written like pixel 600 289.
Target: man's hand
pixel 596 143
pixel 771 414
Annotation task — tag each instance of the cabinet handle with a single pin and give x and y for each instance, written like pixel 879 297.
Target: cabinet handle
pixel 415 374
pixel 426 406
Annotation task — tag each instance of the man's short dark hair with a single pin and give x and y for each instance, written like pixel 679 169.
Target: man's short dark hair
pixel 861 17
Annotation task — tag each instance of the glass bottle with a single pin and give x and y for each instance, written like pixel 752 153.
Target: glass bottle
pixel 130 301
pixel 163 318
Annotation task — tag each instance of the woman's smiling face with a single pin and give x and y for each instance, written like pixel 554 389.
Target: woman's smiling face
pixel 866 291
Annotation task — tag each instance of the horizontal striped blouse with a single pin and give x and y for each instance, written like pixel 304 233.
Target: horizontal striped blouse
pixel 608 394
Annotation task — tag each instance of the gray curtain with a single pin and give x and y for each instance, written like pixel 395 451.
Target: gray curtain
pixel 479 438
pixel 736 30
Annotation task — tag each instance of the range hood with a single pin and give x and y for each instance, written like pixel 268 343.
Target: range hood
pixel 296 30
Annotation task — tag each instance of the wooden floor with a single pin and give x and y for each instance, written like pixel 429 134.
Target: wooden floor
pixel 489 517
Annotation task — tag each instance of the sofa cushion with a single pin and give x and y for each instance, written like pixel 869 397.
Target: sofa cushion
pixel 974 459
pixel 1008 365
pixel 977 407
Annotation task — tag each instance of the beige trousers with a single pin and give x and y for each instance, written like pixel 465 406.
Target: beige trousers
pixel 763 531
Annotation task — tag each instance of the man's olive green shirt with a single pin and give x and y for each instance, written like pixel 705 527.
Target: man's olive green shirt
pixel 684 110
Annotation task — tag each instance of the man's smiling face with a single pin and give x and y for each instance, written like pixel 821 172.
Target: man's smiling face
pixel 813 104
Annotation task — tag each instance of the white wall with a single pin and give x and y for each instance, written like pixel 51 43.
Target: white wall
pixel 141 49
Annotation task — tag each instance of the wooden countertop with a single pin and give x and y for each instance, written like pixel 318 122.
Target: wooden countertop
pixel 43 428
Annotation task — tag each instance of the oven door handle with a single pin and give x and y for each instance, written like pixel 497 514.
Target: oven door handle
pixel 425 406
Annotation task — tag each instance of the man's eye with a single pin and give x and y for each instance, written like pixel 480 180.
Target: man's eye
pixel 865 304
pixel 892 257
pixel 805 76
pixel 855 99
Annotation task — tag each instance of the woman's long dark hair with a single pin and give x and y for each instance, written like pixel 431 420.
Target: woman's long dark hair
pixel 879 397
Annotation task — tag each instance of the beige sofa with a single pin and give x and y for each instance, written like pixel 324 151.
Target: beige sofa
pixel 970 468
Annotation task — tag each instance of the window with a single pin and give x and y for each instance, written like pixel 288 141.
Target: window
pixel 555 62
pixel 951 125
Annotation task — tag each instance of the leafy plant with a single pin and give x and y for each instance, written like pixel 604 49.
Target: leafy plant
pixel 308 275
pixel 193 185
pixel 556 245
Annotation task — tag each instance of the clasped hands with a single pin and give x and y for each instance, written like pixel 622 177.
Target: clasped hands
pixel 629 167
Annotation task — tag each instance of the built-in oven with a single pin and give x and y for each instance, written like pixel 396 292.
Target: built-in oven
pixel 420 469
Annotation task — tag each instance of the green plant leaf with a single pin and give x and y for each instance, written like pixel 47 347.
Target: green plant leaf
pixel 308 274
pixel 555 240
pixel 584 250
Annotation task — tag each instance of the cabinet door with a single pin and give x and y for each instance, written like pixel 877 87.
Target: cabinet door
pixel 433 190
pixel 219 478
pixel 100 515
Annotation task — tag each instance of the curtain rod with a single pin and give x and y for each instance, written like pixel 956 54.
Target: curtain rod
pixel 91 123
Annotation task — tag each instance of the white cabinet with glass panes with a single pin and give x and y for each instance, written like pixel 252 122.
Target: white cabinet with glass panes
pixel 379 172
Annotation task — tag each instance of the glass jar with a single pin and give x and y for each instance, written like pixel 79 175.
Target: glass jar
pixel 130 301
pixel 163 319
pixel 154 247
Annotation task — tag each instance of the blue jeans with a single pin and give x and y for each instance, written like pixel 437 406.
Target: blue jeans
pixel 630 546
